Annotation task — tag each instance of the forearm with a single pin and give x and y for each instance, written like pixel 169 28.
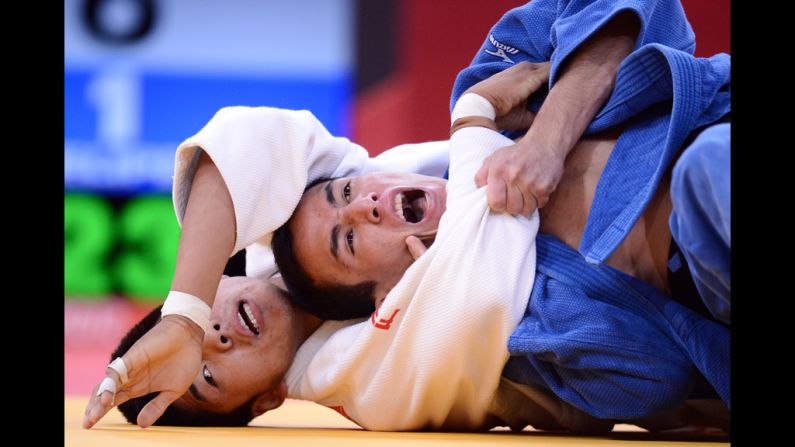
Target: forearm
pixel 584 85
pixel 208 234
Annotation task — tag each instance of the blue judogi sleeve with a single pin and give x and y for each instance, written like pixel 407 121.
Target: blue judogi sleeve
pixel 550 30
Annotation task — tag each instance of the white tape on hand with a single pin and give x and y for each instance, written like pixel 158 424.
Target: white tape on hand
pixel 187 305
pixel 472 104
pixel 120 368
pixel 108 384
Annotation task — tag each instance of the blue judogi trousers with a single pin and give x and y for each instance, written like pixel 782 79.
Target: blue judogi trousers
pixel 701 218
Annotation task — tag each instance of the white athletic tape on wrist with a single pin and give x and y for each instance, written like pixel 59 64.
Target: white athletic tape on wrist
pixel 120 368
pixel 472 104
pixel 107 384
pixel 187 305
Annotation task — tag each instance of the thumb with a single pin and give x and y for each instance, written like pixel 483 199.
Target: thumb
pixel 415 246
pixel 483 173
pixel 155 408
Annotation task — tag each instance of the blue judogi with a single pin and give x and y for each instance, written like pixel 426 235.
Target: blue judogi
pixel 603 341
pixel 610 344
pixel 701 218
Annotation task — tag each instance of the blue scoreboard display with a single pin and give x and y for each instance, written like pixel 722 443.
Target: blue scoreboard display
pixel 141 76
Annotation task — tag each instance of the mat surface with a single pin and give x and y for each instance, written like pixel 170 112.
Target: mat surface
pixel 299 423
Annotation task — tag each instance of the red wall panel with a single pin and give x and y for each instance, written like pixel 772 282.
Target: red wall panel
pixel 436 39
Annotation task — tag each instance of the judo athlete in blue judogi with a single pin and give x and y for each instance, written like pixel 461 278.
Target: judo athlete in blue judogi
pixel 600 339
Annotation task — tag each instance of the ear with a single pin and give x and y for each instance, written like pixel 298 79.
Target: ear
pixel 270 399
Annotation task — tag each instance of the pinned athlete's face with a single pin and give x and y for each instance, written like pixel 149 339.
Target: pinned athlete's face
pixel 247 349
pixel 351 230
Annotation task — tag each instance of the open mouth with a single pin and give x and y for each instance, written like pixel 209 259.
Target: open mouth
pixel 246 316
pixel 411 205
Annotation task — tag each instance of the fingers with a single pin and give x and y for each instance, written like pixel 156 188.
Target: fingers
pixel 105 396
pixel 509 87
pixel 510 194
pixel 155 408
pixel 518 179
pixel 120 368
pixel 98 407
pixel 93 400
pixel 100 404
pixel 520 201
pixel 415 246
pixel 541 193
pixel 482 175
pixel 530 204
pixel 496 193
pixel 515 201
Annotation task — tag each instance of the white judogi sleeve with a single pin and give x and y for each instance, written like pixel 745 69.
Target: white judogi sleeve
pixel 432 356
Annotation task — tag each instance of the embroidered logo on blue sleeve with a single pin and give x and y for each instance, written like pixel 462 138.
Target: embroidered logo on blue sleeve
pixel 502 50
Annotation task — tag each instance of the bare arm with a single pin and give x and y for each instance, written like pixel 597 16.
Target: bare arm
pixel 208 234
pixel 521 177
pixel 585 84
pixel 167 358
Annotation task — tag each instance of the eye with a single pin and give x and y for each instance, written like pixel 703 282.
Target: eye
pixel 349 239
pixel 208 377
pixel 346 192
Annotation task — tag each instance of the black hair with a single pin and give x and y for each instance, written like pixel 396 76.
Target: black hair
pixel 329 301
pixel 239 417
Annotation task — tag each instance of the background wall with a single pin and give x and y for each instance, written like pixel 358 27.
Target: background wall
pixel 142 75
pixel 435 39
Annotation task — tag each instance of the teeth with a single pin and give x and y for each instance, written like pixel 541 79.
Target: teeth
pixel 399 205
pixel 242 321
pixel 250 316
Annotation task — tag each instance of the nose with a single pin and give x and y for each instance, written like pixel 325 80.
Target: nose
pixel 364 209
pixel 217 340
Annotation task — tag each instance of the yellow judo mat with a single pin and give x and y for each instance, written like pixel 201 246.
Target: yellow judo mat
pixel 299 423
